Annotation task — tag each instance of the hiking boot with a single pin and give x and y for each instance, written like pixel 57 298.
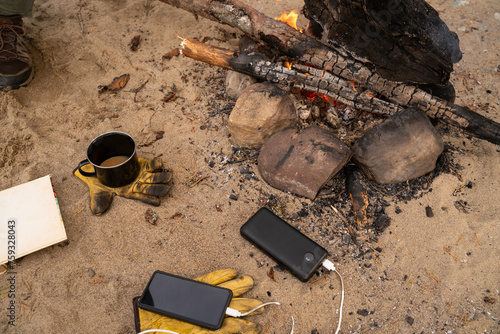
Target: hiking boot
pixel 16 69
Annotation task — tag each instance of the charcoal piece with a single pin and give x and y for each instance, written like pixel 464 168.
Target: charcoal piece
pixel 428 212
pixel 381 222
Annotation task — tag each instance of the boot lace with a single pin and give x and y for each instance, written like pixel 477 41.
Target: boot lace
pixel 9 35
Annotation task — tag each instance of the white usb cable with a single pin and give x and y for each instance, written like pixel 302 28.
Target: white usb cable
pixel 236 314
pixel 229 311
pixel 330 266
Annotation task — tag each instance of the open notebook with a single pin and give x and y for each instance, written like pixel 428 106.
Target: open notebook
pixel 29 219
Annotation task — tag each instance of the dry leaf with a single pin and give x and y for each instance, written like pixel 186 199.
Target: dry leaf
pixel 177 215
pixel 118 83
pixel 173 53
pixel 134 43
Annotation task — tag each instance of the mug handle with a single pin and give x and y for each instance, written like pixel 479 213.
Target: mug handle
pixel 83 163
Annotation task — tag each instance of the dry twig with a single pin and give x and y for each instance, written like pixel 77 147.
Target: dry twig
pixel 409 280
pixel 476 240
pixel 431 275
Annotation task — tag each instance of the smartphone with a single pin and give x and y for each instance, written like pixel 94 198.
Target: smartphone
pixel 185 299
pixel 284 243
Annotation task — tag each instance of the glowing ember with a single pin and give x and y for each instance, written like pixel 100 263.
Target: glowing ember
pixel 290 19
pixel 288 65
pixel 312 95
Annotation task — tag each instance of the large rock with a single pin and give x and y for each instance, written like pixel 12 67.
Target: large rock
pixel 301 162
pixel 403 147
pixel 261 110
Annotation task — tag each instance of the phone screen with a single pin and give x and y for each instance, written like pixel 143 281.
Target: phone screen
pixel 185 299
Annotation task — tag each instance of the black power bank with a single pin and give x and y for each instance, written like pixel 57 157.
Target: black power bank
pixel 284 243
pixel 185 299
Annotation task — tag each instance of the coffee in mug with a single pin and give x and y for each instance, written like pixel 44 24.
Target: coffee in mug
pixel 114 157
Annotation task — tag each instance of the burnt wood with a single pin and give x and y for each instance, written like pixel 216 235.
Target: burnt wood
pixel 299 76
pixel 405 40
pixel 338 63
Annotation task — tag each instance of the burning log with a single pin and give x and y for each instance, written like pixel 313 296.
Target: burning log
pixel 310 78
pixel 336 65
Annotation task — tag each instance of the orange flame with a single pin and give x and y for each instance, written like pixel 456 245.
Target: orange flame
pixel 353 85
pixel 290 19
pixel 288 65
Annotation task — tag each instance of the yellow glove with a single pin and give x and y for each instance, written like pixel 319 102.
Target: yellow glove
pixel 223 278
pixel 150 186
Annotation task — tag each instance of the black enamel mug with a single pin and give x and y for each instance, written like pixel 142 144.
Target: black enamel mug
pixel 114 157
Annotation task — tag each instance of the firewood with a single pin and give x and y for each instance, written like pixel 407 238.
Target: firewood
pixel 338 62
pixel 405 40
pixel 309 79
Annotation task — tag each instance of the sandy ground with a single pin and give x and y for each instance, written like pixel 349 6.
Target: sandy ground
pixel 431 276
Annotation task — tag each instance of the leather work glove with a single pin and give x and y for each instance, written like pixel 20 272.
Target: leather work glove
pixel 223 278
pixel 150 186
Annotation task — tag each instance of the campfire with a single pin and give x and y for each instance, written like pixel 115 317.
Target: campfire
pixel 361 62
pixel 326 69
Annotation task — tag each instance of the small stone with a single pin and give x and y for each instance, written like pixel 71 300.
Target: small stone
pixel 410 320
pixel 304 113
pixel 403 147
pixel 461 2
pixel 236 82
pixel 301 162
pixel 497 16
pixel 91 272
pixel 261 110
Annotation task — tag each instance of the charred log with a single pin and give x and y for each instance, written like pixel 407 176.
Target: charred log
pixel 405 40
pixel 301 76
